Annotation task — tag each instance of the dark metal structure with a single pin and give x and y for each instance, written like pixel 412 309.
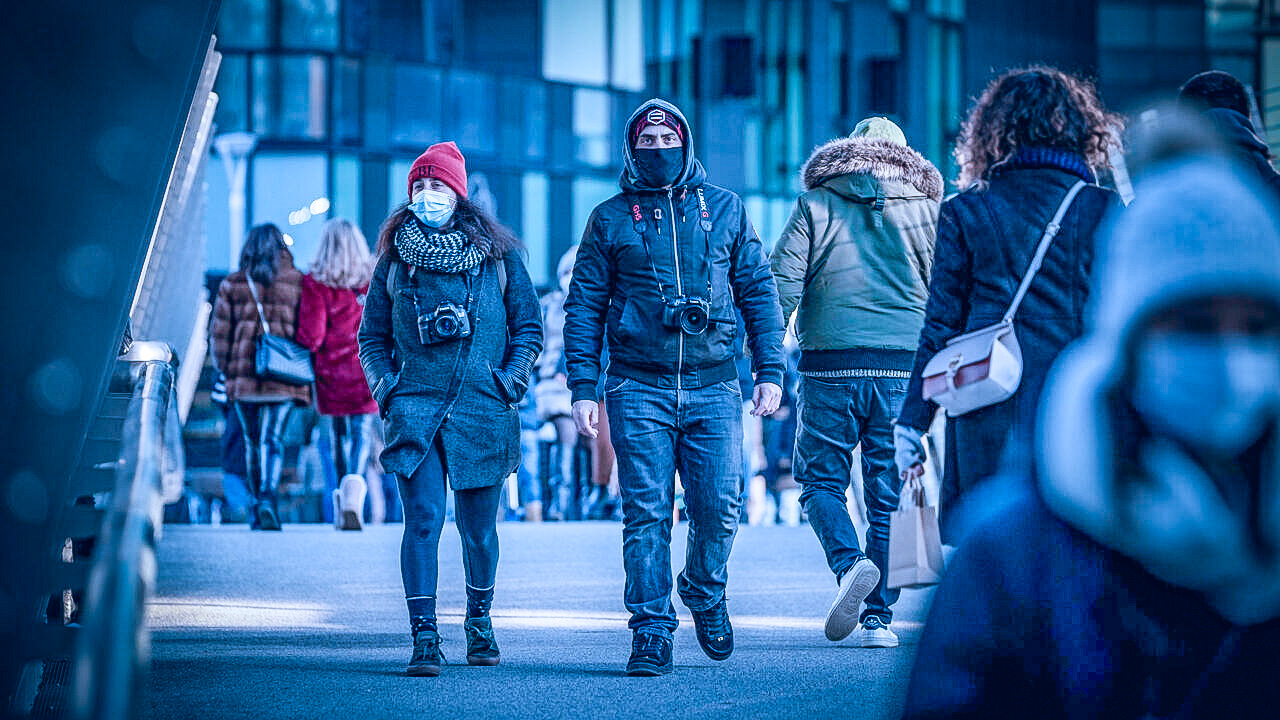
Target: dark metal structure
pixel 97 138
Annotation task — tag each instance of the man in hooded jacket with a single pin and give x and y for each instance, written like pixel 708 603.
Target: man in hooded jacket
pixel 1224 102
pixel 1139 576
pixel 853 263
pixel 661 268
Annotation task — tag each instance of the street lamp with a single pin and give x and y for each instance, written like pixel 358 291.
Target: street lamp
pixel 234 149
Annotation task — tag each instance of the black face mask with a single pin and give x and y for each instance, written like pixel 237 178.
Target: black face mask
pixel 658 168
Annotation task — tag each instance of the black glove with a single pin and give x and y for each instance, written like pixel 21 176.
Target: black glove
pixel 515 373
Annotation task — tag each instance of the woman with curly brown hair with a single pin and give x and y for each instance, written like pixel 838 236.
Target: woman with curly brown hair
pixel 1032 135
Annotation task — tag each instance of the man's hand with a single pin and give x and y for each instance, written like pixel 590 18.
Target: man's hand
pixel 766 398
pixel 908 452
pixel 586 416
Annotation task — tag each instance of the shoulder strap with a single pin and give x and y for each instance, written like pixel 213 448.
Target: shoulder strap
pixel 262 317
pixel 1050 231
pixel 502 276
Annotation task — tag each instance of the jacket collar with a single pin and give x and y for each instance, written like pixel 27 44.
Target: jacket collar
pixel 882 159
pixel 1033 158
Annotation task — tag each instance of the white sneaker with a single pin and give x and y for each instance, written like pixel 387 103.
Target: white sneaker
pixel 856 584
pixel 351 492
pixel 875 634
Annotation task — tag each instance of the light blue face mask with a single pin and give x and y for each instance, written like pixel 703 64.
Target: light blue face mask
pixel 1215 393
pixel 433 208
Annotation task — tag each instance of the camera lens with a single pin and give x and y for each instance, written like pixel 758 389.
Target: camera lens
pixel 446 327
pixel 693 320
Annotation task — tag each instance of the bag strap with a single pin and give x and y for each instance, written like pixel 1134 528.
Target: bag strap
pixel 262 317
pixel 1050 231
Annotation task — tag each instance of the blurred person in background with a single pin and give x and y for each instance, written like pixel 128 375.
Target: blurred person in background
pixel 661 268
pixel 448 341
pixel 333 297
pixel 554 399
pixel 1031 135
pixel 853 263
pixel 1137 575
pixel 267 288
pixel 1225 102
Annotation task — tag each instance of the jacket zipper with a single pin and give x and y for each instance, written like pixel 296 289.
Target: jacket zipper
pixel 675 253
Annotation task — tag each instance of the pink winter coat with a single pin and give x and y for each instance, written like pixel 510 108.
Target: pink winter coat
pixel 328 319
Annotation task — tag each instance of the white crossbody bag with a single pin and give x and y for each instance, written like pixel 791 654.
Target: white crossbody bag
pixel 984 367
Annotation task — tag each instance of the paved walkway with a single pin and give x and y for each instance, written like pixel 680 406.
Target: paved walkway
pixel 310 623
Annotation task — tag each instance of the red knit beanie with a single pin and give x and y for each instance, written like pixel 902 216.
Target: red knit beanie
pixel 444 162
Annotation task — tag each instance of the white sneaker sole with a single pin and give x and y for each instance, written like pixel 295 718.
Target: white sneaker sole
pixel 842 618
pixel 876 642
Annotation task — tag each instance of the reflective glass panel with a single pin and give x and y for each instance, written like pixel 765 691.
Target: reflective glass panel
pixel 289 96
pixel 309 23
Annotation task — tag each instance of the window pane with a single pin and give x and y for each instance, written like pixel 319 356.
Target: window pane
pixel 289 96
pixel 346 100
pixel 346 188
pixel 628 44
pixel 309 23
pixel 535 118
pixel 573 41
pixel 591 118
pixel 535 217
pixel 284 184
pixel 471 101
pixel 588 192
pixel 244 23
pixel 398 190
pixel 416 114
pixel 233 94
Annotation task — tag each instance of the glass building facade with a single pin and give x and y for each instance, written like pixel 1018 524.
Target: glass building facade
pixel 343 94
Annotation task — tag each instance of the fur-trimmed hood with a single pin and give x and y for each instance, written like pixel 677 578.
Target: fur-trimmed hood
pixel 884 160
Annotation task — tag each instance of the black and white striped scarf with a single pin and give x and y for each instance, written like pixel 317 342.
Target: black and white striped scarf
pixel 452 252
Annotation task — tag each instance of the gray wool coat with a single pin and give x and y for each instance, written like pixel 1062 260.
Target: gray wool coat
pixel 463 391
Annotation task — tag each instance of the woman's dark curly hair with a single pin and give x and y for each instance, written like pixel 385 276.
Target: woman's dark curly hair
pixel 490 235
pixel 1037 106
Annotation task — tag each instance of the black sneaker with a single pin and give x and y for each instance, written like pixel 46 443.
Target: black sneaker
pixel 715 634
pixel 482 648
pixel 427 658
pixel 650 655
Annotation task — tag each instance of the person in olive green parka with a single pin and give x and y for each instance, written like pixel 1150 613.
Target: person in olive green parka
pixel 853 265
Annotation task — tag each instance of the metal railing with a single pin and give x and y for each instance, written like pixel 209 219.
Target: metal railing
pixel 112 652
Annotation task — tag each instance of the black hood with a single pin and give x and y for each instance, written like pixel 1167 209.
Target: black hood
pixel 1238 130
pixel 691 176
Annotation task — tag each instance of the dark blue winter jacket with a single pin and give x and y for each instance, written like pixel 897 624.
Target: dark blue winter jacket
pixel 645 244
pixel 986 239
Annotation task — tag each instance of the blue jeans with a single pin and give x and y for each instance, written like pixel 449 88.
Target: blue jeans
pixel 657 432
pixel 835 415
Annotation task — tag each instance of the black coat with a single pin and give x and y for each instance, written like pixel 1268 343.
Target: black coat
pixel 614 290
pixel 1250 151
pixel 465 390
pixel 986 239
pixel 1035 619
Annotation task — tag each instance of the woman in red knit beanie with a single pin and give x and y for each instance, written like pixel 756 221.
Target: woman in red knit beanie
pixel 450 332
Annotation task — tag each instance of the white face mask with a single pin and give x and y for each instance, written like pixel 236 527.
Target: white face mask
pixel 1215 393
pixel 433 208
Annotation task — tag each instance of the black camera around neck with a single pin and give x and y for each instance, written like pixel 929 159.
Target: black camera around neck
pixel 449 321
pixel 690 315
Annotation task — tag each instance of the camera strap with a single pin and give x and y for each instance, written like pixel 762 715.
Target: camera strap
pixel 468 277
pixel 641 227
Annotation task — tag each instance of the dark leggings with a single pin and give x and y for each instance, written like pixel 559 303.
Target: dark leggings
pixel 351 435
pixel 476 512
pixel 263 425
